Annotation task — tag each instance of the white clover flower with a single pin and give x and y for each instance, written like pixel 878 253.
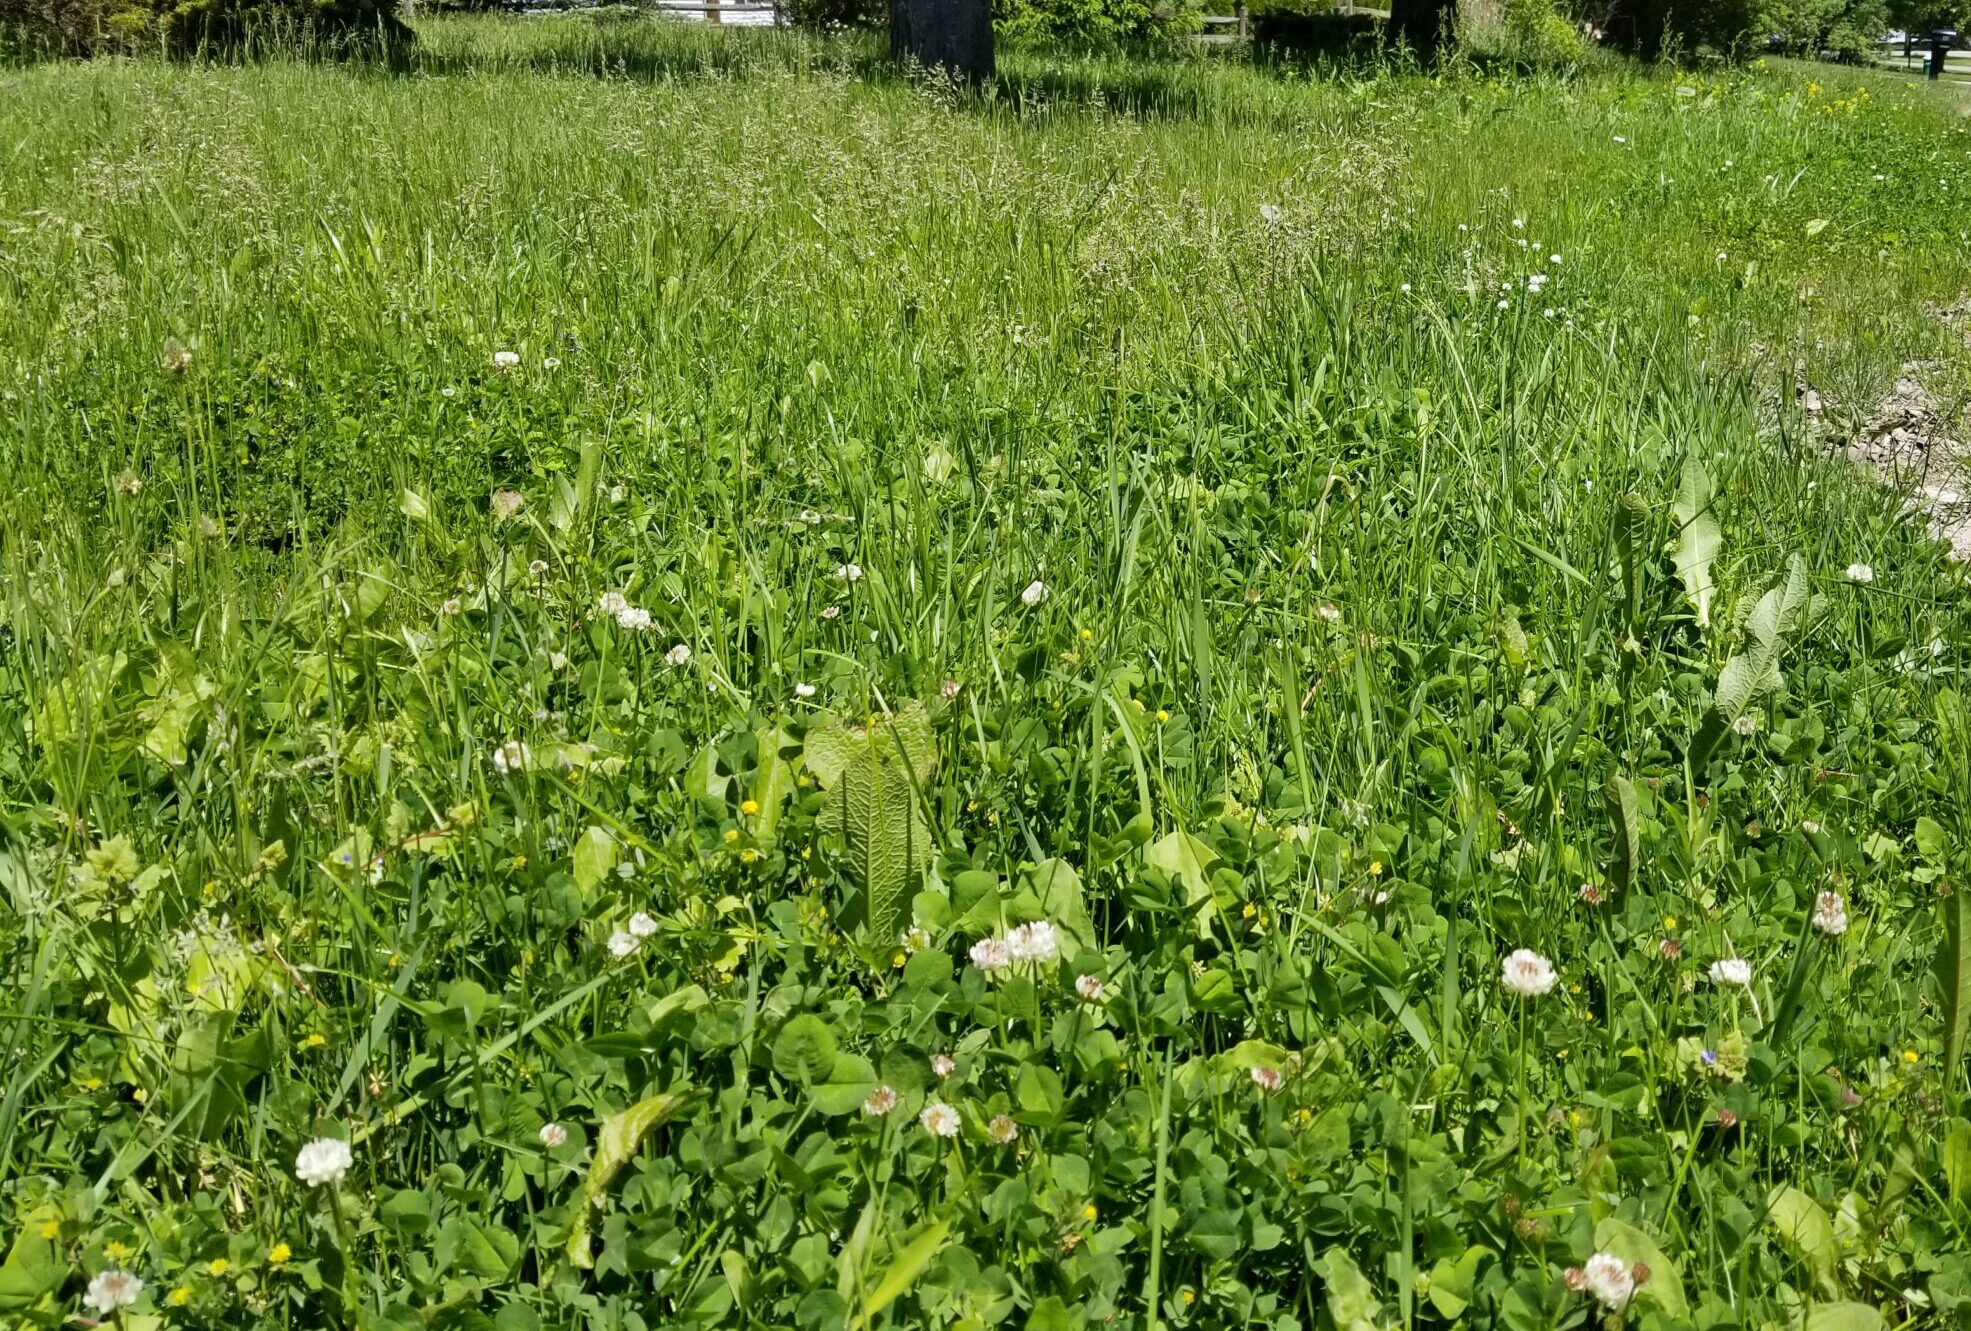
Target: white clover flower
pixel 1035 593
pixel 849 573
pixel 678 655
pixel 1809 826
pixel 111 1290
pixel 1732 972
pixel 1553 258
pixel 448 391
pixel 1860 573
pixel 622 944
pixel 1527 973
pixel 942 1065
pixel 451 607
pixel 1034 942
pixel 1329 613
pixel 1831 914
pixel 1744 725
pixel 1269 212
pixel 879 1102
pixel 553 1135
pixel 505 503
pixel 1505 304
pixel 557 660
pixel 992 954
pixel 940 1119
pixel 830 611
pixel 323 1160
pixel 1003 1130
pixel 950 689
pixel 1405 288
pixel 1266 1079
pixel 1089 987
pixel 611 604
pixel 914 939
pixel 636 619
pixel 505 360
pixel 537 567
pixel 512 756
pixel 1609 1280
pixel 550 362
pixel 641 925
pixel 804 690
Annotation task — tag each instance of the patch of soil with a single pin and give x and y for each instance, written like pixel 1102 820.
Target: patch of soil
pixel 1913 444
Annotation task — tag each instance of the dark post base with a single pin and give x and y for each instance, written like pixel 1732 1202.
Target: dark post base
pixel 951 35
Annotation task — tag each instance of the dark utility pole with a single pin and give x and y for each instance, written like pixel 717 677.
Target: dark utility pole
pixel 952 35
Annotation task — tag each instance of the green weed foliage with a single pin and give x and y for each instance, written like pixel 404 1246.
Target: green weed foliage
pixel 657 679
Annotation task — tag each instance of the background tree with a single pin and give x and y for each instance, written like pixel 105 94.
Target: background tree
pixel 1425 26
pixel 951 35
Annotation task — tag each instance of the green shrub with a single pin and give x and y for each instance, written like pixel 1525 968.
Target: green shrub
pixel 75 27
pixel 190 27
pixel 1530 31
pixel 1098 22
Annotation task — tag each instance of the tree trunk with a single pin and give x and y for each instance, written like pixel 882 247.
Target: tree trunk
pixel 1422 25
pixel 952 35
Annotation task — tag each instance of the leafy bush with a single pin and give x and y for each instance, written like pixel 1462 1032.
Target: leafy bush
pixel 94 27
pixel 74 27
pixel 1099 22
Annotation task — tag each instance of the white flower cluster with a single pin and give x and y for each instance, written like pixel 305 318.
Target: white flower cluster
pixel 627 616
pixel 323 1161
pixel 1732 972
pixel 1606 1277
pixel 1527 973
pixel 1036 943
pixel 1831 914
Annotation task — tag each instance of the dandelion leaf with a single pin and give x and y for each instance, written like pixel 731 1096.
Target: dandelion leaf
pixel 903 1270
pixel 1620 797
pixel 1698 538
pixel 1351 1299
pixel 615 1146
pixel 774 777
pixel 1954 976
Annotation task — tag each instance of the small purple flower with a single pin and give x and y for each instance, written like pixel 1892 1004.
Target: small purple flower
pixel 1710 1057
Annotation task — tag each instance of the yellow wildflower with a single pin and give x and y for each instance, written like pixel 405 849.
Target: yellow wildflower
pixel 749 807
pixel 278 1254
pixel 219 1266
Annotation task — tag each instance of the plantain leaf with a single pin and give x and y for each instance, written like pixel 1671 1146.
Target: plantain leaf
pixel 872 775
pixel 1808 1234
pixel 1665 1287
pixel 805 1049
pixel 594 857
pixel 1843 1317
pixel 1187 861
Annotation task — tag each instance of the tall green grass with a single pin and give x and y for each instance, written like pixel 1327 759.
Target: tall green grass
pixel 327 784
